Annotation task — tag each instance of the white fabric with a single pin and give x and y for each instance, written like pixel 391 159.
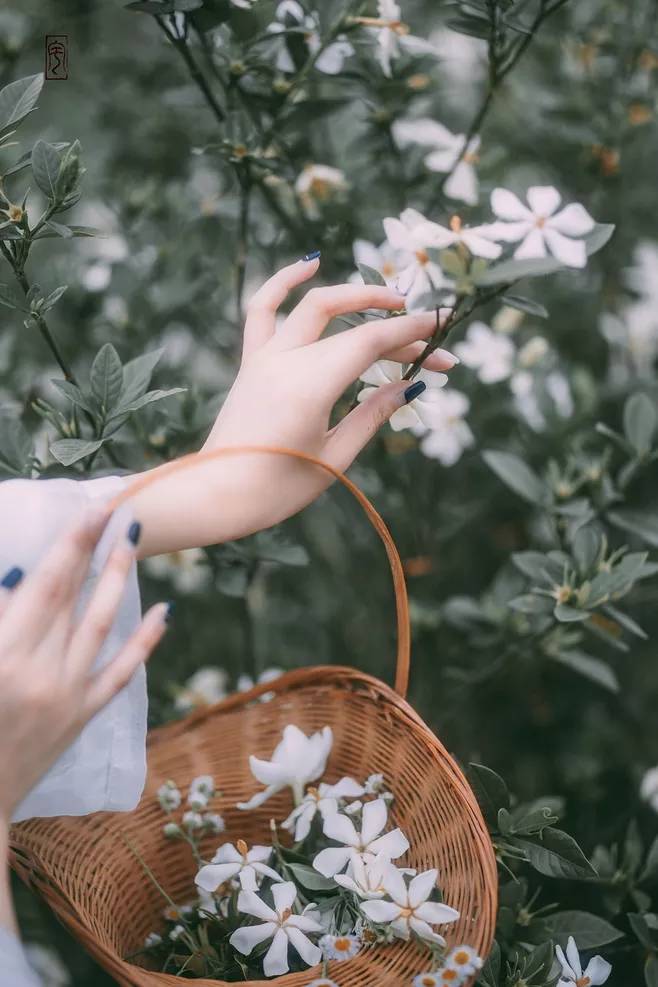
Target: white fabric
pixel 15 971
pixel 105 767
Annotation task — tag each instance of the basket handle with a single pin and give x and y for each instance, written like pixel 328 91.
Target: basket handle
pixel 401 601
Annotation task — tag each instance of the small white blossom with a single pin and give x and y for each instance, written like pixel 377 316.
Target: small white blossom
pixel 171 830
pixel 430 980
pixel 213 822
pixel 280 925
pixel 451 435
pixel 464 960
pixel 176 933
pixel 447 154
pixel 340 947
pixel 246 682
pixel 393 37
pixel 169 796
pixel 365 877
pixel 186 568
pixel 375 784
pixel 330 61
pixel 323 799
pixel 369 840
pixel 597 971
pixel 47 964
pixel 649 788
pixel 491 354
pixel 296 761
pixel 533 352
pixel 230 862
pixel 201 791
pixel 317 184
pixel 420 411
pixel 409 909
pixel 322 982
pixel 192 821
pixel 539 227
pixel 152 939
pixel 411 237
pixel 383 259
pixel 204 688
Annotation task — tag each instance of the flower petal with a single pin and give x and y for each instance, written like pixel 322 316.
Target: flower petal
pixel 309 953
pixel 562 960
pixel 425 931
pixel 574 957
pixel 442 160
pixel 404 417
pixel 543 199
pixel 227 854
pixel 509 232
pixel 257 800
pixel 373 820
pixel 333 860
pixel 347 787
pixel 284 896
pixel 251 904
pixel 259 854
pixel 276 959
pixel 267 772
pixel 305 922
pixel 380 911
pixel 397 234
pixel 598 970
pixel 265 871
pixel 248 880
pixel 248 936
pixel 212 875
pixel 392 844
pixel 508 206
pixel 463 184
pixel 436 913
pixel 532 246
pixel 480 246
pixel 574 220
pixel 341 829
pixel 573 253
pixel 396 886
pixel 421 887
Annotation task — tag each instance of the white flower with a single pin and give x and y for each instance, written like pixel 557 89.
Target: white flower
pixel 642 276
pixel 533 352
pixel 365 877
pixel 447 150
pixel 245 4
pixel 411 236
pixel 248 866
pixel 322 982
pixel 523 387
pixel 152 939
pixel 47 964
pixel 296 761
pixel 281 926
pixel 488 352
pixel 464 960
pixel 383 259
pixel 317 184
pixel 171 830
pixel 213 822
pixel 649 788
pixel 176 932
pixel 192 821
pixel 340 947
pixel 417 412
pixel 323 799
pixel 330 61
pixel 409 909
pixel 541 229
pixel 393 36
pixel 169 796
pixel 597 971
pixel 201 791
pixel 246 682
pixel 452 435
pixel 206 687
pixel 429 980
pixel 369 840
pixel 375 784
pixel 184 568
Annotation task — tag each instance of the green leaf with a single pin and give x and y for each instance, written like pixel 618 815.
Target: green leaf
pixel 589 931
pixel 555 854
pixel 531 604
pixel 592 668
pixel 490 973
pixel 586 547
pixel 106 377
pixel 517 475
pixel 527 305
pixel 59 229
pixel 646 935
pixel 311 879
pixel 370 275
pixel 640 421
pixel 74 394
pixel 49 230
pixel 46 162
pixel 626 622
pixel 18 99
pixel 69 451
pixel 599 237
pixel 641 523
pixel 141 402
pixel 490 791
pixel 137 375
pixel 651 971
pixel 569 615
pixel 16 445
pixel 535 565
pixel 53 297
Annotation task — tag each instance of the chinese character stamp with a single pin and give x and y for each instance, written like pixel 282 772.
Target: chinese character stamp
pixel 57 56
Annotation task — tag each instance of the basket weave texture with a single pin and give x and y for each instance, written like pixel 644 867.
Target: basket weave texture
pixel 85 868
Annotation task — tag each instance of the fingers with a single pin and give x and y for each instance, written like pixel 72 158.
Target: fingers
pixel 100 613
pixel 262 307
pixel 438 360
pixel 349 437
pixel 51 590
pixel 308 320
pixel 111 679
pixel 8 583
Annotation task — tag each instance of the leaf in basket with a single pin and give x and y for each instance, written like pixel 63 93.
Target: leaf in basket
pixel 311 879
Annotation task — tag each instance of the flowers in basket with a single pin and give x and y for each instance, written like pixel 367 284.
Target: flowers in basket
pixel 334 887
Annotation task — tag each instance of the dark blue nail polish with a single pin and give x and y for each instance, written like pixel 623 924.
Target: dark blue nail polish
pixel 169 612
pixel 413 391
pixel 12 577
pixel 134 532
pixel 312 255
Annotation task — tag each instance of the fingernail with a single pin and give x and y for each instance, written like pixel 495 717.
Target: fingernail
pixel 413 391
pixel 134 532
pixel 169 612
pixel 312 255
pixel 12 577
pixel 448 357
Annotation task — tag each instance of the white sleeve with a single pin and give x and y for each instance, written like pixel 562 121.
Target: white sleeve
pixel 105 767
pixel 15 971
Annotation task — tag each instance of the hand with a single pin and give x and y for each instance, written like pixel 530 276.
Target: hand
pixel 288 383
pixel 48 691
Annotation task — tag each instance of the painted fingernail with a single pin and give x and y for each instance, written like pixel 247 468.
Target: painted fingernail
pixel 12 577
pixel 134 532
pixel 413 391
pixel 312 255
pixel 448 357
pixel 169 612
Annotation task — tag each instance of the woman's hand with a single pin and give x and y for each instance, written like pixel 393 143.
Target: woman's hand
pixel 48 690
pixel 288 383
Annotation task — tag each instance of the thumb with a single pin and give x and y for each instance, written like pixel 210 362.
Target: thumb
pixel 349 437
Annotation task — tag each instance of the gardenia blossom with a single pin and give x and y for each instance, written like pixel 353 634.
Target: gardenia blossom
pixel 490 353
pixel 649 788
pixel 411 236
pixel 248 866
pixel 447 154
pixel 317 184
pixel 409 909
pixel 368 840
pixel 330 61
pixel 205 687
pixel 323 799
pixel 383 259
pixel 451 435
pixel 597 971
pixel 297 760
pixel 539 227
pixel 186 568
pixel 393 38
pixel 281 926
pixel 365 878
pixel 420 411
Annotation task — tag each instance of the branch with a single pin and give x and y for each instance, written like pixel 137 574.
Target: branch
pixel 180 44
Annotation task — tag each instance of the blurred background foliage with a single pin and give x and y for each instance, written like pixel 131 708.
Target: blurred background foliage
pixel 193 177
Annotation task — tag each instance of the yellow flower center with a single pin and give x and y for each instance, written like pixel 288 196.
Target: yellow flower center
pixel 461 958
pixel 422 257
pixel 342 945
pixel 583 982
pixel 388 269
pixel 428 982
pixel 15 214
pixel 456 224
pixel 540 222
pixel 406 912
pixel 243 849
pixel 450 975
pixel 286 915
pixel 471 157
pixel 321 189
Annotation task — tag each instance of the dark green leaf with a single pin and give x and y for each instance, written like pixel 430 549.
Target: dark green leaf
pixel 18 99
pixel 517 475
pixel 74 394
pixel 137 375
pixel 651 971
pixel 589 931
pixel 70 451
pixel 490 973
pixel 106 377
pixel 46 162
pixel 592 668
pixel 640 422
pixel 568 615
pixel 311 879
pixel 527 305
pixel 641 523
pixel 490 791
pixel 370 275
pixel 555 854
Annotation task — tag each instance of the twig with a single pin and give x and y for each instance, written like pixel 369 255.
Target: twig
pixel 180 44
pixel 244 178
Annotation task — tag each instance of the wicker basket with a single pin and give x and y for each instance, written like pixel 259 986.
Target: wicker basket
pixel 85 870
